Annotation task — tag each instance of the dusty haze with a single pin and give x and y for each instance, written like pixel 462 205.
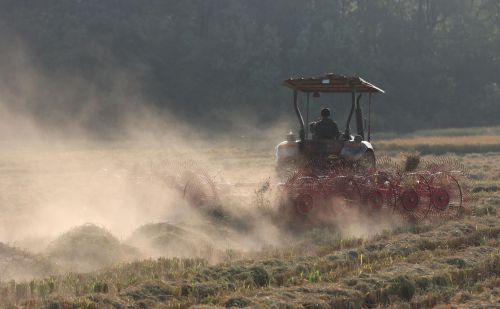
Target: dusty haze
pixel 65 187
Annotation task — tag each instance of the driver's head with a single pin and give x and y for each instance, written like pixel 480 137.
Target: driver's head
pixel 325 113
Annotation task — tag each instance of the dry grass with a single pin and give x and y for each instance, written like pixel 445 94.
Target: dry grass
pixel 443 144
pixel 447 140
pixel 457 262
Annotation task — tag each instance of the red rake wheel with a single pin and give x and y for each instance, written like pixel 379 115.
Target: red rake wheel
pixel 304 195
pixel 410 200
pixel 345 194
pixel 465 183
pixel 378 192
pixel 440 198
pixel 199 190
pixel 457 182
pixel 351 193
pixel 304 204
pixel 191 181
pixel 414 198
pixel 375 200
pixel 446 196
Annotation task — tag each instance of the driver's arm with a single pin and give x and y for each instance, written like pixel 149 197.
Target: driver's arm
pixel 312 127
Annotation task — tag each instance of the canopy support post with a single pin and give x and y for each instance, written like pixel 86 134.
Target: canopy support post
pixel 307 117
pixel 359 118
pixel 369 115
pixel 299 115
pixel 347 132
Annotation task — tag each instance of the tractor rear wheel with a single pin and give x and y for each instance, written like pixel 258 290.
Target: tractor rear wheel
pixel 366 163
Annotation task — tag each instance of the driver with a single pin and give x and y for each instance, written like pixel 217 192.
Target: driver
pixel 325 128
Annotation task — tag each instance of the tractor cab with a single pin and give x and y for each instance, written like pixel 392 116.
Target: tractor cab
pixel 350 147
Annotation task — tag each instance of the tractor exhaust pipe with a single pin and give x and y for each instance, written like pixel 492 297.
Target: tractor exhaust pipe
pixel 347 132
pixel 359 118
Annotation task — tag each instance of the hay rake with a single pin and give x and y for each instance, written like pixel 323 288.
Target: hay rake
pixel 192 182
pixel 438 191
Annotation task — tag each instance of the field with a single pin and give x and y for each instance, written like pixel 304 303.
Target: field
pixel 445 144
pixel 82 227
pixel 455 141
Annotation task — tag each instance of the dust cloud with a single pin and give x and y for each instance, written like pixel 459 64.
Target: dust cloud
pixel 75 200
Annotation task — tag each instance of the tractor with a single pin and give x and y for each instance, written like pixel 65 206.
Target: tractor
pixel 349 149
pixel 324 178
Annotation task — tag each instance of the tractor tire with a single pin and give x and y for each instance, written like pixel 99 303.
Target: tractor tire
pixel 366 163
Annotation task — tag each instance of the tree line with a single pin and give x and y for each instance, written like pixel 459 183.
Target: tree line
pixel 205 60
